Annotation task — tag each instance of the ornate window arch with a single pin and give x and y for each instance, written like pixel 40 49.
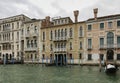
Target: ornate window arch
pixel 110 38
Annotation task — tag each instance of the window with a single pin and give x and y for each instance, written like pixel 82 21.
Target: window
pixel 12 26
pixel 101 56
pixel 71 34
pixel 43 56
pixel 109 24
pixel 80 45
pixel 17 47
pixel 28 44
pixel 0 37
pixel 17 24
pixel 51 35
pixel 0 28
pixel 81 31
pixel 89 56
pixel 43 35
pixel 13 36
pixel 118 23
pixel 51 47
pixel 70 56
pixel 58 33
pixel 70 45
pixel 31 56
pixel 89 27
pixel 43 47
pixel 118 40
pixel 17 35
pixel 22 32
pixel 118 56
pixel 31 43
pixel 101 25
pixel 80 56
pixel 62 33
pixel 35 41
pixel 101 42
pixel 110 39
pixel 28 30
pixel 65 32
pixel 35 56
pixel 35 29
pixel 89 43
pixel 55 33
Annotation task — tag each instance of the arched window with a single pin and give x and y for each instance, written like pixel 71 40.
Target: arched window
pixel 65 32
pixel 58 33
pixel 51 35
pixel 70 32
pixel 70 45
pixel 0 37
pixel 51 47
pixel 35 29
pixel 28 30
pixel 110 39
pixel 62 33
pixel 31 43
pixel 22 32
pixel 55 33
pixel 28 43
pixel 43 35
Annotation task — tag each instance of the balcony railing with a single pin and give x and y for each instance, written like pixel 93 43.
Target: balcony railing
pixel 109 46
pixel 6 41
pixel 60 50
pixel 60 38
pixel 31 49
pixel 89 47
pixel 34 34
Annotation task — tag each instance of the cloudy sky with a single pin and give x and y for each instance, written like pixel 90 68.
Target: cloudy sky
pixel 53 8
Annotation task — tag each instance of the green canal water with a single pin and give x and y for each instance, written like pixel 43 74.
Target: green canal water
pixel 38 74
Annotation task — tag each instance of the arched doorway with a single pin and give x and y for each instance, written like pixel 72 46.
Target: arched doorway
pixel 110 54
pixel 10 57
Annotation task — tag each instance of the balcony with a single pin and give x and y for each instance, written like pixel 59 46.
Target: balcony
pixel 33 34
pixel 6 41
pixel 109 46
pixel 60 50
pixel 31 49
pixel 89 48
pixel 60 38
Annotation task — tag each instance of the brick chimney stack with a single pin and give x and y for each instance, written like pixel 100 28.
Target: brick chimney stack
pixel 47 20
pixel 76 13
pixel 95 13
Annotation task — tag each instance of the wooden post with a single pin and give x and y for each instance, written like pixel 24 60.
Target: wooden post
pixel 100 65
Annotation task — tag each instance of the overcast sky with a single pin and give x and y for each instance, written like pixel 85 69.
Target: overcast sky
pixel 53 8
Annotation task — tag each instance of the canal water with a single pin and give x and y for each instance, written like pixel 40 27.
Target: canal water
pixel 38 74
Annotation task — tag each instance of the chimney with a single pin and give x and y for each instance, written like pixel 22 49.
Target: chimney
pixel 47 20
pixel 76 13
pixel 95 13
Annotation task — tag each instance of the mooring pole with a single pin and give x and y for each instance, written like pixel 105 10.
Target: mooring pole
pixel 4 60
pixel 61 60
pixel 100 65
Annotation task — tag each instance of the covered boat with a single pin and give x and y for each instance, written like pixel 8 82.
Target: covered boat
pixel 110 68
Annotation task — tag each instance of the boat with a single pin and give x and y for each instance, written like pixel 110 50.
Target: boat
pixel 111 68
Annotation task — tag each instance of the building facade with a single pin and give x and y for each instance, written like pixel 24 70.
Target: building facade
pixel 103 38
pixel 63 40
pixel 10 37
pixel 31 40
pixel 60 39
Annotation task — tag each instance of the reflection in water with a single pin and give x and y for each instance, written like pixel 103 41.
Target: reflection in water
pixel 38 74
